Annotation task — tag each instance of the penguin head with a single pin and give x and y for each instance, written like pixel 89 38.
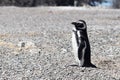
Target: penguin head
pixel 79 25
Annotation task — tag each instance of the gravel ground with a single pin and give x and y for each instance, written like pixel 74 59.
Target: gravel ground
pixel 35 43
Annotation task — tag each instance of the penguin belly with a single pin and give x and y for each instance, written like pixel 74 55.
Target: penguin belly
pixel 75 48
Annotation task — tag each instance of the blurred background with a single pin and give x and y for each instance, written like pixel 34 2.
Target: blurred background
pixel 34 3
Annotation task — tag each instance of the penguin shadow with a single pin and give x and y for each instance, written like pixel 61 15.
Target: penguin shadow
pixel 76 65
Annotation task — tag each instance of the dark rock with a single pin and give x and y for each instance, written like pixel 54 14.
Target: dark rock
pixel 24 3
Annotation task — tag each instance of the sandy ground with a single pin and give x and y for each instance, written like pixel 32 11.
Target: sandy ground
pixel 35 43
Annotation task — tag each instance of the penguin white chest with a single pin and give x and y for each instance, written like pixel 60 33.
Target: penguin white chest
pixel 75 44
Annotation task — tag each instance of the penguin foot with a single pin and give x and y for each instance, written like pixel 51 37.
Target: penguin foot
pixel 74 65
pixel 89 65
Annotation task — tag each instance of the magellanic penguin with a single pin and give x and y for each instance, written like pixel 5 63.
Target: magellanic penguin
pixel 81 45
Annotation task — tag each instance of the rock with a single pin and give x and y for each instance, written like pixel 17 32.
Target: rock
pixel 26 45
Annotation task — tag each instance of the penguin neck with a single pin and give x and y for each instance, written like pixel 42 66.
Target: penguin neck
pixel 84 35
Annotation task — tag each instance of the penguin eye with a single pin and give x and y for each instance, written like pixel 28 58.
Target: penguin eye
pixel 79 26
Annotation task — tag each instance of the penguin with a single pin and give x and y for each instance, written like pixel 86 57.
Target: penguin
pixel 81 45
